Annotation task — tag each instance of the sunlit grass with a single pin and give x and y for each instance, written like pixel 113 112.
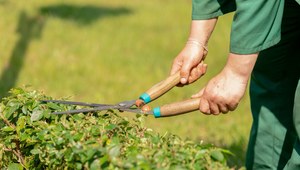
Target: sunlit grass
pixel 109 51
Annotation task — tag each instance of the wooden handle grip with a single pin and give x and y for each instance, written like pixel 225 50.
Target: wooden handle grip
pixel 160 88
pixel 177 108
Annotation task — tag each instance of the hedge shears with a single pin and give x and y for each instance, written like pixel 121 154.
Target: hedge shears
pixel 138 106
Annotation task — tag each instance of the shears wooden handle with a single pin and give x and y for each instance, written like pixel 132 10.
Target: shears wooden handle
pixel 160 88
pixel 177 108
pixel 172 109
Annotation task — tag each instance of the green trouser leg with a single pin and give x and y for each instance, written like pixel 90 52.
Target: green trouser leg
pixel 273 139
pixel 272 135
pixel 294 162
pixel 297 110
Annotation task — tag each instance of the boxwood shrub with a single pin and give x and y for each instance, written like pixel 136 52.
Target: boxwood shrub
pixel 33 138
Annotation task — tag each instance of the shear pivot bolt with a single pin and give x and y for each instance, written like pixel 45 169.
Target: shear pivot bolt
pixel 139 103
pixel 146 108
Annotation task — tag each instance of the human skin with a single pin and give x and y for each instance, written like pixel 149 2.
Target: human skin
pixel 188 61
pixel 224 91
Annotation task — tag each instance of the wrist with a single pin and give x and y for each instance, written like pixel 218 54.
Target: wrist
pixel 241 65
pixel 201 30
pixel 192 41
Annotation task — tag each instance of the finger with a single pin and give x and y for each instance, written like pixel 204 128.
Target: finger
pixel 214 109
pixel 176 66
pixel 204 107
pixel 223 108
pixel 180 85
pixel 204 54
pixel 204 68
pixel 201 68
pixel 185 71
pixel 199 94
pixel 197 72
pixel 232 107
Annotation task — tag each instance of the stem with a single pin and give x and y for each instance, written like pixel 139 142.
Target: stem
pixel 7 122
pixel 18 154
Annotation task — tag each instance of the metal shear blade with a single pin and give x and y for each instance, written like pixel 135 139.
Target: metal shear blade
pixel 122 106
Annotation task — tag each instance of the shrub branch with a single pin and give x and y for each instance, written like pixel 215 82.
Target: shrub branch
pixel 7 122
pixel 19 155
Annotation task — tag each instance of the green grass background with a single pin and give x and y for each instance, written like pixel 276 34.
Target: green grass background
pixel 109 51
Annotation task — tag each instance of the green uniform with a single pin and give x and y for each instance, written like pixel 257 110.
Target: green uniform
pixel 272 28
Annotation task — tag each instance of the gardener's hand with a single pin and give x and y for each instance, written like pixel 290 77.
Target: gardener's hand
pixel 190 60
pixel 224 92
pixel 190 63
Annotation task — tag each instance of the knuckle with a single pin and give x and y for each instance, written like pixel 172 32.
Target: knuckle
pixel 232 106
pixel 224 110
pixel 214 98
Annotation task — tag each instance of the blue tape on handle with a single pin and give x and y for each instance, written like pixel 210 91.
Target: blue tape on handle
pixel 145 97
pixel 156 112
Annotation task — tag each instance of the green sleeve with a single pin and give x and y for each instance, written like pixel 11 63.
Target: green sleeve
pixel 256 25
pixel 206 9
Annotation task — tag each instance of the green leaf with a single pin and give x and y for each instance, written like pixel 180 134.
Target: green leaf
pixel 35 151
pixel 60 140
pixel 114 151
pixel 200 154
pixel 78 165
pixel 95 165
pixel 17 91
pixel 36 115
pixel 69 155
pixel 14 166
pixel 25 110
pixel 78 136
pixel 90 153
pixel 104 161
pixel 46 114
pixel 14 103
pixel 10 111
pixel 7 129
pixel 217 155
pixel 21 123
pixel 110 127
pixel 54 106
pixel 24 136
pixel 2 106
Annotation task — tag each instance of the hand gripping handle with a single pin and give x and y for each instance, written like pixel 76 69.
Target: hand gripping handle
pixel 177 108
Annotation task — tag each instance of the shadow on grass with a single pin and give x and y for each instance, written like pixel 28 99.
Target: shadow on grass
pixel 82 15
pixel 28 29
pixel 31 27
pixel 4 2
pixel 239 150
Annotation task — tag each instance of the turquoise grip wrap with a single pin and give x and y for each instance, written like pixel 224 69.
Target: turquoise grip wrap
pixel 156 112
pixel 145 97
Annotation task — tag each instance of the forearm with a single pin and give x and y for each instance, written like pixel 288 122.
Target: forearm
pixel 189 60
pixel 224 91
pixel 201 30
pixel 241 65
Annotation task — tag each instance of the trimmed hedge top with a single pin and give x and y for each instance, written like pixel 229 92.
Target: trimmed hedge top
pixel 33 138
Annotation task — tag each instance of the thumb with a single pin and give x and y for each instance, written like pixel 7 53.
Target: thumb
pixel 185 71
pixel 204 68
pixel 174 69
pixel 176 66
pixel 199 94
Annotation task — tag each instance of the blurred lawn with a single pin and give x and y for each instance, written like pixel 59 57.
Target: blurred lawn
pixel 109 51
